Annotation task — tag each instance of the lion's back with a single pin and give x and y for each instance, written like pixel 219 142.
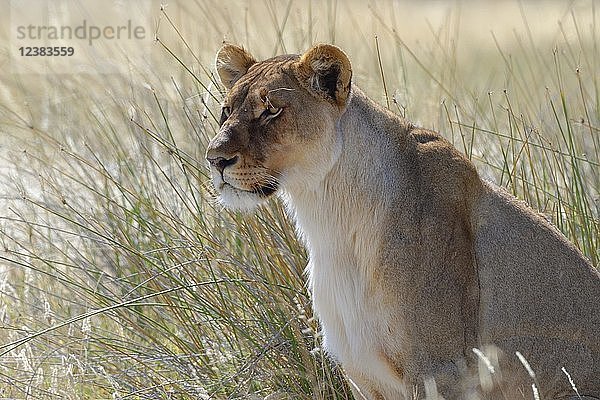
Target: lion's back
pixel 538 294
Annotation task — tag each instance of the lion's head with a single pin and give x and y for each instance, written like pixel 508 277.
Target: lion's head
pixel 278 122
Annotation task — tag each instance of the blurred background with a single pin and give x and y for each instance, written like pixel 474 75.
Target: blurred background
pixel 120 275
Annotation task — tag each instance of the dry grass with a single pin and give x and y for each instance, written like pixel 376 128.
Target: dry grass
pixel 120 277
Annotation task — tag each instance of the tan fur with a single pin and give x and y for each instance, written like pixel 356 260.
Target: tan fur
pixel 413 259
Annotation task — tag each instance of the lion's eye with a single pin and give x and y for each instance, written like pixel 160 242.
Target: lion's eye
pixel 225 112
pixel 271 112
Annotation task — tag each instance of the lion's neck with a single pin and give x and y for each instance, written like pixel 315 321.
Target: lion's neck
pixel 341 220
pixel 337 217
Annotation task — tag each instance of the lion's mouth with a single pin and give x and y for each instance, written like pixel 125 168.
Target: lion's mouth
pixel 266 190
pixel 245 198
pixel 263 191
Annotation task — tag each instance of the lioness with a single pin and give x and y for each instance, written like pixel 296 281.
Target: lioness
pixel 414 260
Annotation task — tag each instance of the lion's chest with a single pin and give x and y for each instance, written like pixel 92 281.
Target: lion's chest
pixel 344 309
pixel 354 321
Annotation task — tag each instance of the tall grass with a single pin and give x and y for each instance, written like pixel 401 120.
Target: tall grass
pixel 122 277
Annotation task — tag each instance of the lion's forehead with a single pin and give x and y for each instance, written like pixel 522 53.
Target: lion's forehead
pixel 268 74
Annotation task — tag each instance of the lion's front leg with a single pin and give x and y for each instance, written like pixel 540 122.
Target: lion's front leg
pixel 440 379
pixel 361 388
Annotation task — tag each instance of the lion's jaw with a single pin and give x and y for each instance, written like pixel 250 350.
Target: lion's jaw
pixel 238 199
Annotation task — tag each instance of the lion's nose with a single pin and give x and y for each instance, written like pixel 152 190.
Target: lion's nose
pixel 220 163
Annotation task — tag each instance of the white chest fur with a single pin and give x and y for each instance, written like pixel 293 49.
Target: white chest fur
pixel 344 290
pixel 353 319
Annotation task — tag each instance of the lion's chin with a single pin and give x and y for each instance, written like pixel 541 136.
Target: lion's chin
pixel 242 200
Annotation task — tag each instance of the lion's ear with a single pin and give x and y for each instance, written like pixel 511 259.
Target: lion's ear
pixel 232 63
pixel 325 70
